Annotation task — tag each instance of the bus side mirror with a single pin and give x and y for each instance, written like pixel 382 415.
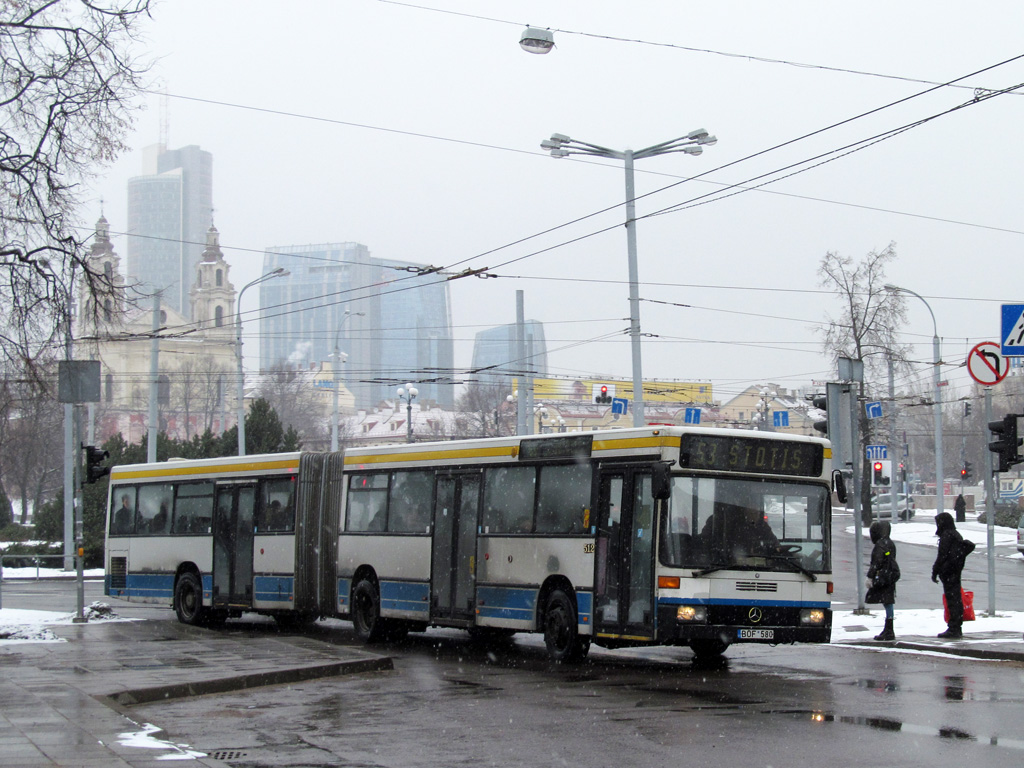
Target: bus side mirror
pixel 661 481
pixel 839 482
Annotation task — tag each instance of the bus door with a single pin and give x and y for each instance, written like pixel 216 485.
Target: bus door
pixel 453 551
pixel 624 555
pixel 232 545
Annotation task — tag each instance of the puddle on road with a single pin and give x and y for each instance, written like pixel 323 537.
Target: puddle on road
pixel 893 725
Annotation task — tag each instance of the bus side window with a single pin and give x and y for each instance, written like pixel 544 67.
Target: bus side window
pixel 563 498
pixel 367 502
pixel 124 514
pixel 509 499
pixel 154 508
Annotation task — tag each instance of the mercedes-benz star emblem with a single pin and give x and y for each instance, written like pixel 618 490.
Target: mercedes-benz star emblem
pixel 755 615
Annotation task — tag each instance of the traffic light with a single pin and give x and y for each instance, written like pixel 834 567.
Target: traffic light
pixel 93 458
pixel 967 409
pixel 967 471
pixel 1007 442
pixel 821 403
pixel 876 478
pixel 603 398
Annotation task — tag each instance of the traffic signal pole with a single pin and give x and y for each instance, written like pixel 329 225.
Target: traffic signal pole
pixel 990 513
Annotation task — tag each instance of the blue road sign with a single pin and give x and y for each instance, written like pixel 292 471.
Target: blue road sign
pixel 620 405
pixel 1011 339
pixel 873 410
pixel 692 416
pixel 876 452
pixel 780 418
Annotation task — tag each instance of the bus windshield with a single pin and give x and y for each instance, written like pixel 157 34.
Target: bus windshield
pixel 718 522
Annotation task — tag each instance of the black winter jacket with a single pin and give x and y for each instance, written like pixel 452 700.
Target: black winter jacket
pixel 950 559
pixel 883 571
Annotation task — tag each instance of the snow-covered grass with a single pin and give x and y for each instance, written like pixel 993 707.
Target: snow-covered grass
pixel 50 573
pixel 20 625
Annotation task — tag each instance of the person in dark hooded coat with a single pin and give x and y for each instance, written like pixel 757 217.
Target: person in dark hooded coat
pixel 883 573
pixel 949 563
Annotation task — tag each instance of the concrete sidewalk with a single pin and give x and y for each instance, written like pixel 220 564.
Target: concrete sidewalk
pixel 69 703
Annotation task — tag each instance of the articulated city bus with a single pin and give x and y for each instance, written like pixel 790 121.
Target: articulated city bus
pixel 655 535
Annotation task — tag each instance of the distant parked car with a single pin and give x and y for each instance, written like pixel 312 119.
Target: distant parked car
pixel 881 506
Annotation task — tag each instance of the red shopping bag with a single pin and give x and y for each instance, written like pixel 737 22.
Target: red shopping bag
pixel 968 599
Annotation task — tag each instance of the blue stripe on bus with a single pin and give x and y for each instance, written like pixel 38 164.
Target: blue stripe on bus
pixel 405 596
pixel 584 607
pixel 150 585
pixel 278 589
pixel 728 601
pixel 506 603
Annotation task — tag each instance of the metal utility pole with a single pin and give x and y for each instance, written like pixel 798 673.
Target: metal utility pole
pixel 154 383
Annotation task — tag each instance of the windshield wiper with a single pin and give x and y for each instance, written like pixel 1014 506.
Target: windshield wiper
pixel 788 560
pixel 713 568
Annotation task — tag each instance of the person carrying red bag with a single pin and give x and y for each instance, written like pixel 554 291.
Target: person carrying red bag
pixel 949 563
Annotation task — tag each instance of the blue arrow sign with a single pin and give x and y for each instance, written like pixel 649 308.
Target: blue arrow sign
pixel 692 416
pixel 620 405
pixel 876 452
pixel 873 410
pixel 1011 340
pixel 780 418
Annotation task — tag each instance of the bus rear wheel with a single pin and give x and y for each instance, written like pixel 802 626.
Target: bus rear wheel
pixel 561 631
pixel 188 600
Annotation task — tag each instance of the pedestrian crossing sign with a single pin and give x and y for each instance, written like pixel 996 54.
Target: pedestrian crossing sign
pixel 1012 336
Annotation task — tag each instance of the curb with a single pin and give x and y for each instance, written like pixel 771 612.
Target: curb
pixel 952 650
pixel 121 700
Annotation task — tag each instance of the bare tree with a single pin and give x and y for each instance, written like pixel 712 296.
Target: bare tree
pixel 292 394
pixel 864 330
pixel 67 87
pixel 197 392
pixel 483 411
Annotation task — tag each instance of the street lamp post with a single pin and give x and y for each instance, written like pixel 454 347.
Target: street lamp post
pixel 336 372
pixel 937 380
pixel 408 394
pixel 279 272
pixel 692 143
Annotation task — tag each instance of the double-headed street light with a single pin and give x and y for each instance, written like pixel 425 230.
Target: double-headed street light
pixel 408 394
pixel 937 380
pixel 692 143
pixel 337 376
pixel 279 272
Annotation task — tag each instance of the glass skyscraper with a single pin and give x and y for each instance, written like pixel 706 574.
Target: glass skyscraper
pixel 496 355
pixel 170 208
pixel 403 334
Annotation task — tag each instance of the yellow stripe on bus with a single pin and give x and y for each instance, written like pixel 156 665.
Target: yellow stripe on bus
pixel 173 470
pixel 465 453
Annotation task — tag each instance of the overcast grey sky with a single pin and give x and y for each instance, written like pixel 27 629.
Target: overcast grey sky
pixel 416 132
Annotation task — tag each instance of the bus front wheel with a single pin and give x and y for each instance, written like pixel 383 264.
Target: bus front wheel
pixel 561 631
pixel 366 612
pixel 188 600
pixel 704 650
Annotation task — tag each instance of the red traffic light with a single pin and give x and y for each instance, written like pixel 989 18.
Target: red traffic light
pixel 878 466
pixel 604 389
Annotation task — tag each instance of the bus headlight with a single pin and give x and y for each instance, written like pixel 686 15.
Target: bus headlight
pixel 691 613
pixel 812 616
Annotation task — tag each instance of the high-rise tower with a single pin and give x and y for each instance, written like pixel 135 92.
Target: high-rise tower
pixel 170 208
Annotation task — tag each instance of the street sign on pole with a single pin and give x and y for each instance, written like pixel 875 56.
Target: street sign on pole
pixel 873 409
pixel 876 452
pixel 692 416
pixel 1012 335
pixel 986 364
pixel 620 406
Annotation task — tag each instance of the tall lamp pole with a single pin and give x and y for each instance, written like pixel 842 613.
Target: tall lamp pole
pixel 337 376
pixel 408 394
pixel 692 143
pixel 937 379
pixel 279 272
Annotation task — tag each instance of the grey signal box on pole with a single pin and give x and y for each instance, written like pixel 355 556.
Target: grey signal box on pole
pixel 78 381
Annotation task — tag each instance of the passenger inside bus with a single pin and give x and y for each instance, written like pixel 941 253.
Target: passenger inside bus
pixel 123 517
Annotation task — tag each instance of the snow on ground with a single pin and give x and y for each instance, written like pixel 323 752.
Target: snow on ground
pixel 923 622
pixel 921 530
pixel 20 625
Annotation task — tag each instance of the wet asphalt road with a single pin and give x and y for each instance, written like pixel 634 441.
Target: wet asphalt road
pixel 450 702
